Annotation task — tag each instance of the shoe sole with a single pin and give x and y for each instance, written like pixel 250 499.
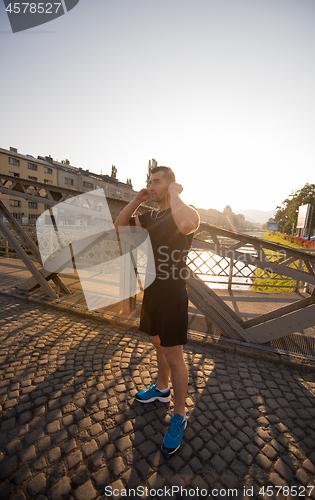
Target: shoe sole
pixel 173 451
pixel 163 400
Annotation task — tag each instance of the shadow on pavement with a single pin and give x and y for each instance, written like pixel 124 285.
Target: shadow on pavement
pixel 71 427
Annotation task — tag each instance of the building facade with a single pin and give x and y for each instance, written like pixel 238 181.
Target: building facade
pixel 226 219
pixel 211 216
pixel 46 170
pixel 25 167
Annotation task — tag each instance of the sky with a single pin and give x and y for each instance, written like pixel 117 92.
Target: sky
pixel 221 91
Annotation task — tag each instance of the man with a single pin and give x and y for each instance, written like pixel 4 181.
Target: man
pixel 164 313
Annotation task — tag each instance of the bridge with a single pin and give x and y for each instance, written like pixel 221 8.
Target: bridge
pixel 219 257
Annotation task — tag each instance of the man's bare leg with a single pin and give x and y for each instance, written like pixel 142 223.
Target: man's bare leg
pixel 163 367
pixel 179 373
pixel 172 359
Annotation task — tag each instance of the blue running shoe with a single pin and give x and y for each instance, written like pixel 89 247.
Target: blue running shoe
pixel 173 437
pixel 152 394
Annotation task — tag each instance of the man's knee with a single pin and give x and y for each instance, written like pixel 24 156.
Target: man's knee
pixel 174 355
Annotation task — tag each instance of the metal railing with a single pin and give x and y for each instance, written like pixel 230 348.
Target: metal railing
pixel 215 270
pixel 227 272
pixel 7 251
pixel 220 272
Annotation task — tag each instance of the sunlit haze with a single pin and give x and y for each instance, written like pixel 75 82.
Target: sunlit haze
pixel 222 91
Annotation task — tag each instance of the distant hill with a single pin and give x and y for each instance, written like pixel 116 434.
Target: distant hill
pixel 253 215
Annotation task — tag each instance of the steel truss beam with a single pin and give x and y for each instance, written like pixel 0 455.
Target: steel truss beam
pixel 278 260
pixel 50 195
pixel 269 256
pixel 272 257
pixel 40 276
pixel 34 191
pixel 41 193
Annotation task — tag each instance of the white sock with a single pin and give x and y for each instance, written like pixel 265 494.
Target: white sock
pixel 164 390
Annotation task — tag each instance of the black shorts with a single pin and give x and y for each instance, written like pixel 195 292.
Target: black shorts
pixel 166 318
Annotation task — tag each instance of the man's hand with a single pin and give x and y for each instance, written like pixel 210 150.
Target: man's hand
pixel 143 195
pixel 175 188
pixel 125 215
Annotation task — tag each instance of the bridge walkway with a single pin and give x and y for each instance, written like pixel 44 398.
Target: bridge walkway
pixel 234 255
pixel 246 304
pixel 70 425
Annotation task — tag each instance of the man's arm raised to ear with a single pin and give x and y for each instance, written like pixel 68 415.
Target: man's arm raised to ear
pixel 127 212
pixel 186 218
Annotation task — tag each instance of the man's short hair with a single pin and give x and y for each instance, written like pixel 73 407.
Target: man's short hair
pixel 167 172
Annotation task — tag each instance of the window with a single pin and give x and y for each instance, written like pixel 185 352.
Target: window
pixel 17 216
pixel 47 181
pixel 31 166
pixel 110 191
pixel 118 193
pixel 68 181
pixel 46 206
pixel 126 195
pixel 14 161
pixel 14 174
pixel 32 204
pixel 48 170
pixel 32 178
pixel 33 216
pixel 15 203
pixel 88 185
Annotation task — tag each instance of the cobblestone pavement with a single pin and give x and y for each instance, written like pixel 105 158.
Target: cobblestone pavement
pixel 70 425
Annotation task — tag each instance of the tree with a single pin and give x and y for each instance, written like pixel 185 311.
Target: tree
pixel 66 161
pixel 129 182
pixel 287 212
pixel 114 172
pixel 150 166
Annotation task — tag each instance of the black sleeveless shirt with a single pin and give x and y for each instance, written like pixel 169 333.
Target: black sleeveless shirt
pixel 170 249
